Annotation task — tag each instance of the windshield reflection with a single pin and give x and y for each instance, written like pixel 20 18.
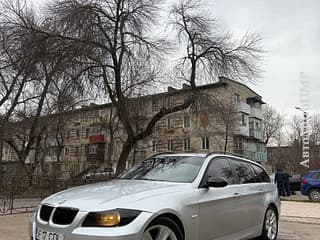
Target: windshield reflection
pixel 182 169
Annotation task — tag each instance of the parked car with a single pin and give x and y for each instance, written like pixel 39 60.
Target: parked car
pixel 310 185
pixel 167 197
pixel 295 183
pixel 99 173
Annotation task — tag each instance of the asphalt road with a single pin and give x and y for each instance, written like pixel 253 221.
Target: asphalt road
pixel 15 227
pixel 298 231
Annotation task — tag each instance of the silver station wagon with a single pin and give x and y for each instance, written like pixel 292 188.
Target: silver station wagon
pixel 167 197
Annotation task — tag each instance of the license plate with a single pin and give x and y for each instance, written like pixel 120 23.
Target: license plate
pixel 46 235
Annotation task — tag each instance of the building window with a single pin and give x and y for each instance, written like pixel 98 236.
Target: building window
pixel 77 152
pixel 154 146
pixel 238 144
pixel 154 105
pixel 205 143
pixel 243 120
pixel 257 126
pixel 170 145
pixel 236 98
pixel 186 121
pixel 93 149
pixel 67 134
pixel 87 132
pixel 186 144
pixel 168 101
pixel 169 123
pixel 78 134
pixel 66 151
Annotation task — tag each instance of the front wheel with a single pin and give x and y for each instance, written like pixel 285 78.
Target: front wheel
pixel 314 195
pixel 270 225
pixel 163 228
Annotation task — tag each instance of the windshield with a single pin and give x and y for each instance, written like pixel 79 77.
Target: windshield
pixel 182 169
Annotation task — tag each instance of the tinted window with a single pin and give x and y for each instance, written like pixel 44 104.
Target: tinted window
pixel 220 168
pixel 315 175
pixel 166 168
pixel 243 172
pixel 263 176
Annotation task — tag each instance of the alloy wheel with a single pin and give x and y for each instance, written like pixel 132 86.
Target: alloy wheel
pixel 315 195
pixel 159 232
pixel 271 224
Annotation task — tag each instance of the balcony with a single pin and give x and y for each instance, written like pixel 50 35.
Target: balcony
pixel 243 107
pixel 242 130
pixel 255 156
pixel 256 113
pixel 256 133
pixel 96 139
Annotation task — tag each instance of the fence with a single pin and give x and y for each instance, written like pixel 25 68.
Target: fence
pixel 22 194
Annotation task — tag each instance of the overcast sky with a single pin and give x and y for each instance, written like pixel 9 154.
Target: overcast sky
pixel 291 33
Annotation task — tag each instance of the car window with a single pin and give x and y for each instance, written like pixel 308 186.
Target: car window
pixel 315 175
pixel 220 168
pixel 262 175
pixel 243 172
pixel 182 169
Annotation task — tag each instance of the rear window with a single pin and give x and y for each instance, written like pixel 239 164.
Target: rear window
pixel 315 175
pixel 262 175
pixel 243 172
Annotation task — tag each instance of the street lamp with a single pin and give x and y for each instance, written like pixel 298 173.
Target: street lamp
pixel 305 146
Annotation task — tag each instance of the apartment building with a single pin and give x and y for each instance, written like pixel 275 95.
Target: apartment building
pixel 227 117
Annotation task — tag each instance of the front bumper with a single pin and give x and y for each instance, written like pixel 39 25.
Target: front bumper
pixel 74 231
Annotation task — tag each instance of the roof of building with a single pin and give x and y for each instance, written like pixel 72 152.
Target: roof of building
pixel 223 82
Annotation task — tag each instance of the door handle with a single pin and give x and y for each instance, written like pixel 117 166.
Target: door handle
pixel 237 195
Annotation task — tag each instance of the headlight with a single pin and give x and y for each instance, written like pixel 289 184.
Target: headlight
pixel 112 218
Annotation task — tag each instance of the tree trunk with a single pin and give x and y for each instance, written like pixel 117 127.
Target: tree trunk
pixel 109 152
pixel 126 149
pixel 30 178
pixel 1 147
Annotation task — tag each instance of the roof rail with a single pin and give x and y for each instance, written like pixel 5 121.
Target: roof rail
pixel 223 152
pixel 157 154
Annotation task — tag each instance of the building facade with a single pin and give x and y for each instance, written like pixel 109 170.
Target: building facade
pixel 227 117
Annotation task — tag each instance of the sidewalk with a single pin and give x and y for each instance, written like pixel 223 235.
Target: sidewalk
pixel 302 212
pixel 13 227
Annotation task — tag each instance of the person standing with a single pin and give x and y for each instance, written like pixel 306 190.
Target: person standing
pixel 287 183
pixel 280 180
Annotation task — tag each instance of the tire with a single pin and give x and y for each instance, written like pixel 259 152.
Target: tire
pixel 163 228
pixel 314 195
pixel 270 225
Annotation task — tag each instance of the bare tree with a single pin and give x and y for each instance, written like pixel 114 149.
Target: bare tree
pixel 115 39
pixel 210 51
pixel 51 63
pixel 272 123
pixel 17 69
pixel 315 129
pixel 295 130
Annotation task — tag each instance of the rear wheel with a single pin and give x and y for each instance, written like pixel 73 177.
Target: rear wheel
pixel 163 228
pixel 314 195
pixel 270 225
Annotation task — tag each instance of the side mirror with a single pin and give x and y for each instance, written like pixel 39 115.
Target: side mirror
pixel 216 182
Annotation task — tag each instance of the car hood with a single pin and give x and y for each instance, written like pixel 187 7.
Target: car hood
pixel 107 195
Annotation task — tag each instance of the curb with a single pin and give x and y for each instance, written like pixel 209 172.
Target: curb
pixel 309 220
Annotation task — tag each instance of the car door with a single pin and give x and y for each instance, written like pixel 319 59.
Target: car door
pixel 252 192
pixel 220 216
